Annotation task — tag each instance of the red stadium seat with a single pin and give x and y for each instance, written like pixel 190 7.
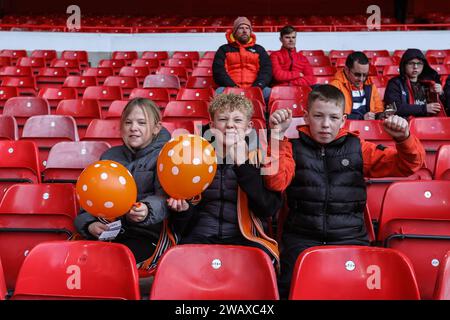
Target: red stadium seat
pixel 80 56
pixel 50 77
pixel 47 214
pixel 138 72
pixel 55 95
pixel 381 62
pixel 319 61
pixel 26 86
pixel 126 83
pixel 21 108
pixel 115 64
pixel 432 132
pixel 324 80
pixel 194 82
pixel 353 273
pixel 152 64
pixel 18 164
pixel 5 62
pixel 373 54
pixel 391 71
pixel 250 93
pixel 163 81
pixel 442 167
pixel 187 110
pixel 180 127
pixel 158 95
pixel 180 62
pixel 7 93
pixel 82 110
pixel 45 272
pixel 324 71
pixel 67 160
pixel 128 56
pixel 195 94
pixel 8 128
pixel 16 71
pixel 288 93
pixel 33 63
pixel 3 291
pixel 292 132
pixel 218 279
pixel 371 130
pixel 72 66
pixel 80 83
pixel 441 69
pixel 442 288
pixel 193 55
pixel 313 53
pixel 298 107
pixel 48 55
pixel 440 55
pixel 13 54
pixel 398 53
pixel 337 54
pixel 209 55
pixel 202 72
pixel 205 63
pixel 180 72
pixel 419 227
pixel 104 130
pixel 104 94
pixel 160 55
pixel 115 109
pixel 100 73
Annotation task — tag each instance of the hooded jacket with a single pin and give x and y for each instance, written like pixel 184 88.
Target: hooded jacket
pixel 287 66
pixel 374 104
pixel 399 90
pixel 142 165
pixel 242 65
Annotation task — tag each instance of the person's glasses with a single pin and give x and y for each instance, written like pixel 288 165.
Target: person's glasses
pixel 415 64
pixel 359 74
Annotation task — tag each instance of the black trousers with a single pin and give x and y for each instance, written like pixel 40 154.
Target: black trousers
pixel 142 248
pixel 293 245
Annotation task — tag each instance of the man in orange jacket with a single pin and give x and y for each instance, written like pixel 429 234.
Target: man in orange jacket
pixel 322 173
pixel 362 100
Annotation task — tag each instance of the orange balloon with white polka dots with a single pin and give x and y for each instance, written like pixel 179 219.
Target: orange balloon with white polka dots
pixel 106 189
pixel 186 166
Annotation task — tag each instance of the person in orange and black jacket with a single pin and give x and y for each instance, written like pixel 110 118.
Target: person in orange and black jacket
pixel 362 101
pixel 322 173
pixel 241 62
pixel 289 67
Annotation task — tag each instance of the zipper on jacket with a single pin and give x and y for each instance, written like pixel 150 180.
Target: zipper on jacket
pixel 221 201
pixel 327 190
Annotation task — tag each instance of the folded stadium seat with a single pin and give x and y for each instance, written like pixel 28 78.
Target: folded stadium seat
pixel 100 73
pixel 151 64
pixel 34 63
pixel 180 127
pixel 25 85
pixel 128 56
pixel 104 130
pixel 5 62
pixel 13 54
pixel 170 82
pixel 48 55
pixel 139 72
pixel 187 110
pixel 104 94
pixel 418 227
pixel 80 83
pixel 47 130
pixel 46 214
pixel 21 108
pixel 441 69
pixel 187 63
pixel 126 83
pixel 80 56
pixel 209 55
pixel 69 270
pixel 115 109
pixel 442 288
pixel 8 128
pixel 313 53
pixel 440 55
pixel 72 66
pixel 193 55
pixel 82 110
pixel 186 94
pixel 50 77
pixel 19 163
pixel 372 54
pixel 442 167
pixel 433 60
pixel 324 80
pixel 115 64
pixel 7 93
pixel 336 54
pixel 158 95
pixel 318 61
pixel 250 93
pixel 3 291
pixel 288 93
pixel 67 160
pixel 339 63
pixel 202 72
pixel 432 132
pixel 398 53
pixel 194 82
pixel 391 71
pixel 324 71
pixel 55 95
pixel 160 55
pixel 381 62
pixel 353 273
pixel 180 72
pixel 222 274
pixel 205 63
pixel 298 106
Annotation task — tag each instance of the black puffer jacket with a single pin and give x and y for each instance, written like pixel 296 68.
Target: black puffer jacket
pixel 216 214
pixel 328 193
pixel 142 166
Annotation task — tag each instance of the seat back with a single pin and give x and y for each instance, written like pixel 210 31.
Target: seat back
pixel 24 107
pixel 104 130
pixel 187 110
pixel 186 94
pixel 214 272
pixel 353 273
pixel 249 93
pixel 442 288
pixel 3 290
pixel 418 227
pixel 82 110
pixel 8 128
pixel 78 270
pixel 442 167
